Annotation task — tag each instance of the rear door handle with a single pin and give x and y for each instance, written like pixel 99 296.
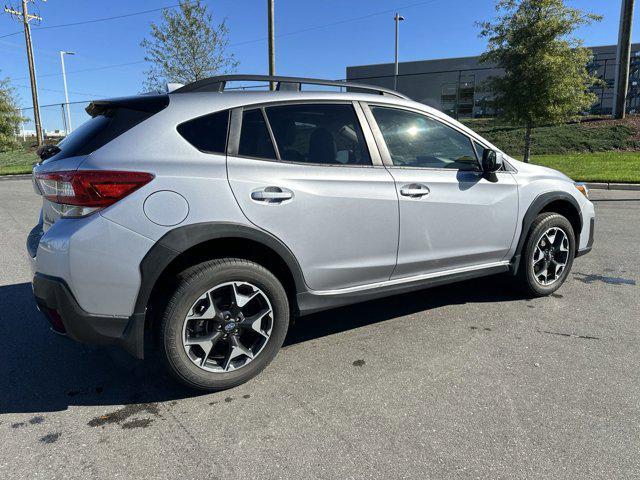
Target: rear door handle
pixel 414 190
pixel 271 195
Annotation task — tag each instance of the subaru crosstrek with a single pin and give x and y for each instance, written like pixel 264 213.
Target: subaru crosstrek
pixel 212 217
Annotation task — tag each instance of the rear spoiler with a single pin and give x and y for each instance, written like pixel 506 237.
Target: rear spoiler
pixel 143 103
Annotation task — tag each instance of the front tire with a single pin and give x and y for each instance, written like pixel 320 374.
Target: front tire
pixel 547 255
pixel 223 324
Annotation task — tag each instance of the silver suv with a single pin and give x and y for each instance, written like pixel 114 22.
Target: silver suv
pixel 211 217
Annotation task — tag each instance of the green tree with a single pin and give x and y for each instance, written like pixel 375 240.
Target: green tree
pixel 186 46
pixel 546 79
pixel 10 117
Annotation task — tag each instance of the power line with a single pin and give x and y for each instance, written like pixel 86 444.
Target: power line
pixel 95 20
pixel 295 32
pixel 339 22
pixel 77 102
pixel 10 34
pixel 60 91
pixel 104 19
pixel 92 69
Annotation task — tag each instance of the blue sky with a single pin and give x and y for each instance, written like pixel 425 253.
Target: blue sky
pixel 361 33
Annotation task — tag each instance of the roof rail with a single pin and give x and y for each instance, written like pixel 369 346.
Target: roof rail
pixel 218 83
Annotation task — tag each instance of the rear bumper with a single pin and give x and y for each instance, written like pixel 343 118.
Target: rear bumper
pixel 57 303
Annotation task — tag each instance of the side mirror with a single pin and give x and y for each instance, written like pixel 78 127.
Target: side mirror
pixel 491 161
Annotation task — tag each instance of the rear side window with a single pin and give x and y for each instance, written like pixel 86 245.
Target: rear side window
pixel 208 133
pixel 255 140
pixel 320 134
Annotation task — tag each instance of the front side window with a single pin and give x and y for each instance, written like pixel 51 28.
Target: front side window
pixel 415 140
pixel 320 134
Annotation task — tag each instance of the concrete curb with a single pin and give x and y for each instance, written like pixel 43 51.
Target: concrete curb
pixel 613 186
pixel 21 176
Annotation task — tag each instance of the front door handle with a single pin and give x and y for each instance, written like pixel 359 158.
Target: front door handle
pixel 271 195
pixel 414 190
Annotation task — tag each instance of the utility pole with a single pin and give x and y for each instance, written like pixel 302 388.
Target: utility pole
pixel 623 58
pixel 272 43
pixel 398 18
pixel 26 18
pixel 68 128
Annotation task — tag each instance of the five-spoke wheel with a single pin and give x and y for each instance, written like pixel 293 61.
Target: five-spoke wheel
pixel 224 322
pixel 228 326
pixel 547 255
pixel 551 255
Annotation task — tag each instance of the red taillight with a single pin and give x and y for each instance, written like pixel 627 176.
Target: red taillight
pixel 90 188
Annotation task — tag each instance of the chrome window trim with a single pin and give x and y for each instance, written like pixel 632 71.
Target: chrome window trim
pixel 382 145
pixel 235 124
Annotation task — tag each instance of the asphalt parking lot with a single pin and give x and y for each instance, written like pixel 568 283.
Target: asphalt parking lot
pixel 467 380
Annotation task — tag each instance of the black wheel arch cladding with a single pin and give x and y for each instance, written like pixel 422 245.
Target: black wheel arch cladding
pixel 181 239
pixel 539 205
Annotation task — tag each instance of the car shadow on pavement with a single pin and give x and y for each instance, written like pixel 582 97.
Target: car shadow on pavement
pixel 41 371
pixel 44 372
pixel 500 288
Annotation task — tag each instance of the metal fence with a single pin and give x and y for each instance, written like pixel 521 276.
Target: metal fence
pixel 464 92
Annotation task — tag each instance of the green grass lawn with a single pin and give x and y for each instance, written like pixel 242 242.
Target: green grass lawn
pixel 611 166
pixel 17 161
pixel 593 150
pixel 588 136
pixel 595 167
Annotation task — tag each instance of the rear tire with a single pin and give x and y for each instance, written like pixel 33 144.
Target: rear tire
pixel 223 324
pixel 547 255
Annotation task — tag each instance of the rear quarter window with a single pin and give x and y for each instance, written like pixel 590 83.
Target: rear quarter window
pixel 207 133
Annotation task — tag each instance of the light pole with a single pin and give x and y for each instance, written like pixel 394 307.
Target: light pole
pixel 398 18
pixel 66 93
